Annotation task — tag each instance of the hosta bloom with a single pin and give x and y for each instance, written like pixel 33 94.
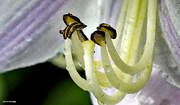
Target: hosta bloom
pixel 30 35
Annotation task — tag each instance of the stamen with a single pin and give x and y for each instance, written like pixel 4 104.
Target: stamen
pixel 107 28
pixel 73 23
pixel 81 82
pixel 129 28
pixel 77 48
pixel 117 82
pixel 119 74
pixel 98 37
pixel 67 32
pixel 120 23
pixel 91 77
pixel 82 36
pixel 69 19
pixel 147 55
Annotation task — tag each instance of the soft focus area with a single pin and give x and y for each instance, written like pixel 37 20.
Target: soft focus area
pixel 43 84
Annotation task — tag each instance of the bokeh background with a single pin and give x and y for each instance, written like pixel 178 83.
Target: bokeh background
pixel 42 84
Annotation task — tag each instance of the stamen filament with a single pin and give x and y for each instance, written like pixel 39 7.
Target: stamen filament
pixel 126 65
pixel 88 47
pixel 129 29
pixel 77 48
pixel 121 22
pixel 81 82
pixel 137 35
pixel 117 82
pixel 148 50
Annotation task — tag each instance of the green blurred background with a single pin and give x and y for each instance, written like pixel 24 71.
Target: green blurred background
pixel 42 84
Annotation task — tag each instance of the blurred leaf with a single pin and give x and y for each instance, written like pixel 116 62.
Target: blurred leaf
pixel 67 93
pixel 37 84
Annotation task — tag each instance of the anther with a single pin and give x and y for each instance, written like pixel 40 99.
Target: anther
pixel 61 31
pixel 70 19
pixel 67 32
pixel 107 28
pixel 81 35
pixel 98 37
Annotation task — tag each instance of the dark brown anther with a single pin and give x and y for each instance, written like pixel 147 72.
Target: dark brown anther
pixel 107 28
pixel 69 30
pixel 81 35
pixel 98 37
pixel 69 19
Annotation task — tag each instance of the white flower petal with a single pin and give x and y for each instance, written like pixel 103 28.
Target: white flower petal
pixel 29 32
pixel 167 52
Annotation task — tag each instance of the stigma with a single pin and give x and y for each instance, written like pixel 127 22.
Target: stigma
pixel 128 61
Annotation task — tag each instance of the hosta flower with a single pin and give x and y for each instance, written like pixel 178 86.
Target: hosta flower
pixel 113 67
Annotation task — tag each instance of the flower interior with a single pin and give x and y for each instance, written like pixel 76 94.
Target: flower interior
pixel 128 68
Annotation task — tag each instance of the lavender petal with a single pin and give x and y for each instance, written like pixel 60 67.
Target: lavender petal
pixel 29 32
pixel 167 52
